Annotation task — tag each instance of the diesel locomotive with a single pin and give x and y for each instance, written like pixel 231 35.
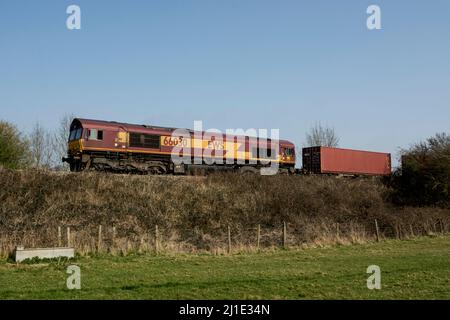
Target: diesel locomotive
pixel 122 147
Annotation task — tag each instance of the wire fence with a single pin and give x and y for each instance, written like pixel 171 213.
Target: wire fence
pixel 223 239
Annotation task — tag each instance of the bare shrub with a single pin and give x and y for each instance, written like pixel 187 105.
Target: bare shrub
pixel 322 136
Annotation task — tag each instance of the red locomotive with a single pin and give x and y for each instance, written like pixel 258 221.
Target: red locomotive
pixel 122 147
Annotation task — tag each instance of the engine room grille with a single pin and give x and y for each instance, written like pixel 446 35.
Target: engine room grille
pixel 141 140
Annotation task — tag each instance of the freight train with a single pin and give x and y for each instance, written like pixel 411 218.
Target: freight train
pixel 122 147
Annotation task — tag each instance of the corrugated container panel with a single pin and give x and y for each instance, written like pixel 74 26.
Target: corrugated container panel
pixel 345 161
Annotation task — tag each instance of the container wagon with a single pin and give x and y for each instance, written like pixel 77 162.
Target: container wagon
pixel 326 160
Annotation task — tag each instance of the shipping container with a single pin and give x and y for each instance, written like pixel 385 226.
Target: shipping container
pixel 345 161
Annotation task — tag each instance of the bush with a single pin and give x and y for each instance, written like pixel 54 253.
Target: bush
pixel 13 147
pixel 424 178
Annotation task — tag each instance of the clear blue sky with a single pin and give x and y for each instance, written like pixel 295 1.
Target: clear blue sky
pixel 233 64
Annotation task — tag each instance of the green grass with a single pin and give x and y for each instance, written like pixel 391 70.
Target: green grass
pixel 410 269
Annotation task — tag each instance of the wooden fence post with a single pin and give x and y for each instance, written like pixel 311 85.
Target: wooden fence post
pixel 229 239
pixel 59 237
pixel 99 241
pixel 337 231
pixel 141 246
pixel 149 239
pixel 156 239
pixel 258 237
pixel 68 236
pixel 73 237
pixel 284 234
pixel 113 235
pixel 377 231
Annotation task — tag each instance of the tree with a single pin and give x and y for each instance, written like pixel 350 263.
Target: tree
pixel 13 147
pixel 322 136
pixel 60 138
pixel 424 177
pixel 41 149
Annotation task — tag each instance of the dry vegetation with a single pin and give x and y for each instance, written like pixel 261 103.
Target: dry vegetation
pixel 193 213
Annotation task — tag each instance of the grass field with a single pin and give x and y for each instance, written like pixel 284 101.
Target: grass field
pixel 410 269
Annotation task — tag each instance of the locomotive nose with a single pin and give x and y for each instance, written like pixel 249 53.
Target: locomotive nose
pixel 75 146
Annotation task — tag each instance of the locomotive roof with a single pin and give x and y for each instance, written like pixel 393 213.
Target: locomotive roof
pixel 102 124
pixel 113 124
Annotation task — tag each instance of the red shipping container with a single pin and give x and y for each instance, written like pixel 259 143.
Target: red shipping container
pixel 345 161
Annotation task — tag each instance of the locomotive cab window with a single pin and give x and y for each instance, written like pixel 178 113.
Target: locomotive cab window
pixel 72 135
pixel 75 134
pixel 289 152
pixel 94 134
